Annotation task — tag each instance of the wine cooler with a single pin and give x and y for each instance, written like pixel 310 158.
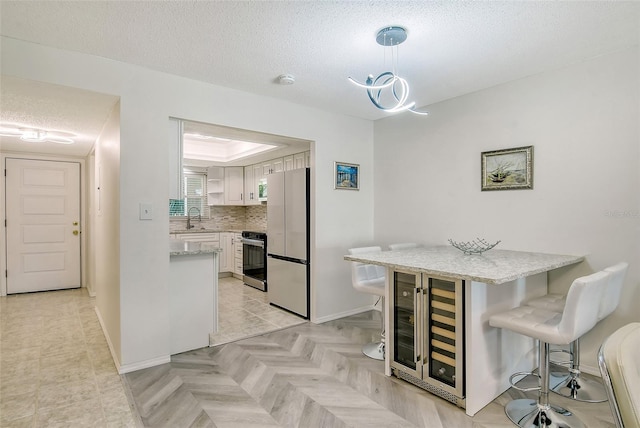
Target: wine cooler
pixel 426 341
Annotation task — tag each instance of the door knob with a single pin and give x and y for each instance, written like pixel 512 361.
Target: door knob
pixel 75 232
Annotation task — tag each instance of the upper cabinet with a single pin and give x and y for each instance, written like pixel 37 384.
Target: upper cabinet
pixel 252 179
pixel 246 185
pixel 297 161
pixel 215 185
pixel 274 165
pixel 234 185
pixel 225 185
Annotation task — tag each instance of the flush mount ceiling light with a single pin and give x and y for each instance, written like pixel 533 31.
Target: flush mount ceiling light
pixel 389 92
pixel 33 135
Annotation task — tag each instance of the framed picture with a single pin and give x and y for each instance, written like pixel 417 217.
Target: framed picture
pixel 507 169
pixel 346 176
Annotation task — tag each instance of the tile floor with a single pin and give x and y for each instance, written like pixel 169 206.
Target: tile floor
pixel 55 366
pixel 244 312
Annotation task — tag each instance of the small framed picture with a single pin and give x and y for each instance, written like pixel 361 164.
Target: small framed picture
pixel 346 176
pixel 507 169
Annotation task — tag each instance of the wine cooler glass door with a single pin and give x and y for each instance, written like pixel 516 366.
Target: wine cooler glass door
pixel 405 323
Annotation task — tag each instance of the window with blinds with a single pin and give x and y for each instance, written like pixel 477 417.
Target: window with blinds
pixel 194 187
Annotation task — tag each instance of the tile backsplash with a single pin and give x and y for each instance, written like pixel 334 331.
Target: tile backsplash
pixel 252 217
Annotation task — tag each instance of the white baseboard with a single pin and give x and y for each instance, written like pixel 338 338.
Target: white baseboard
pixel 115 357
pixel 128 368
pixel 344 314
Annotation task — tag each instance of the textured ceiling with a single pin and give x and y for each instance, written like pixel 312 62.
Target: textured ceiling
pixel 29 104
pixel 453 48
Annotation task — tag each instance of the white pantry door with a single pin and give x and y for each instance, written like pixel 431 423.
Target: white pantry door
pixel 43 225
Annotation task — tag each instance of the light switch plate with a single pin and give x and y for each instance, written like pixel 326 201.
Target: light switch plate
pixel 146 211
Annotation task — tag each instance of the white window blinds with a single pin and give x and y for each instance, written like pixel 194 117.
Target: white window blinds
pixel 194 188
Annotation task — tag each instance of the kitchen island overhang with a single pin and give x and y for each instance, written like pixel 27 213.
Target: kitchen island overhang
pixel 492 282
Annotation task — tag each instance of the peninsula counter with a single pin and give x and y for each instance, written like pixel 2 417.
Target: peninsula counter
pixel 483 284
pixel 193 294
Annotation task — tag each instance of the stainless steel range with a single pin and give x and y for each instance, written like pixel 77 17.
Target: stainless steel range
pixel 254 259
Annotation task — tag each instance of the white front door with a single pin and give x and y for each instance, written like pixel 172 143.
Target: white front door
pixel 43 225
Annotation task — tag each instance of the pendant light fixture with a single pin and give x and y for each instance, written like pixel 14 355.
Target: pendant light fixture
pixel 388 91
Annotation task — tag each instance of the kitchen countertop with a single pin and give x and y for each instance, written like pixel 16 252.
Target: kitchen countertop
pixel 195 230
pixel 178 247
pixel 491 267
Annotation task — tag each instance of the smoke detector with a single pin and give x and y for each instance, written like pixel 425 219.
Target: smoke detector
pixel 286 79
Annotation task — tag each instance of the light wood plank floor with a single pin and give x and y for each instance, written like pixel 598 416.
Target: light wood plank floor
pixel 305 376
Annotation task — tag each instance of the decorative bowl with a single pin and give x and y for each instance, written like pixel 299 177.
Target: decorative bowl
pixel 477 246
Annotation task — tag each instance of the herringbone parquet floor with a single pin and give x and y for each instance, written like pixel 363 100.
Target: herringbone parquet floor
pixel 305 376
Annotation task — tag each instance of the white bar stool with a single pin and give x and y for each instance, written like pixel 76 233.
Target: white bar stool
pixel 403 246
pixel 579 316
pixel 370 279
pixel 573 385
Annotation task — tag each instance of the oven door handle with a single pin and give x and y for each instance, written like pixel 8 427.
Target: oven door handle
pixel 253 242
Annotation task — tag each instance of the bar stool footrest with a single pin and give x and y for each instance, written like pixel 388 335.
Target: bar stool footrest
pixel 523 374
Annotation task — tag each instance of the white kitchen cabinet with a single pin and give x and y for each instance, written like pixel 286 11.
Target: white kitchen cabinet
pixel 215 185
pixel 225 186
pixel 288 162
pixel 227 257
pixel 299 160
pixel 234 185
pixel 274 165
pixel 200 237
pixel 223 240
pixel 296 161
pixel 237 255
pixel 252 177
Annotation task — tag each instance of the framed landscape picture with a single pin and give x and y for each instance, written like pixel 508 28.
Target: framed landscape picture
pixel 507 169
pixel 346 176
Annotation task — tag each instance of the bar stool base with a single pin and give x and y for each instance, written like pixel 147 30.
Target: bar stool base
pixel 374 350
pixel 581 389
pixel 527 414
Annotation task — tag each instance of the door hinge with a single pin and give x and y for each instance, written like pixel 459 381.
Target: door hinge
pixel 6 274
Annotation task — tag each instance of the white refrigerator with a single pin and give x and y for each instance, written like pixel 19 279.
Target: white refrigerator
pixel 288 240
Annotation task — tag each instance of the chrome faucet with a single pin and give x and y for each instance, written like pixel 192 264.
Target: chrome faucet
pixel 189 225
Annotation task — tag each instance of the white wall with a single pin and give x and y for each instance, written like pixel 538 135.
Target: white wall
pixel 105 229
pixel 583 124
pixel 340 219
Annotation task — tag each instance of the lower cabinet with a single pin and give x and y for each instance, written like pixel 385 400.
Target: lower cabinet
pixel 227 254
pixel 224 241
pixel 237 253
pixel 426 342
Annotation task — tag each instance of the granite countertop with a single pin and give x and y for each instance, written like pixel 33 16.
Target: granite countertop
pixel 195 230
pixel 491 267
pixel 178 247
